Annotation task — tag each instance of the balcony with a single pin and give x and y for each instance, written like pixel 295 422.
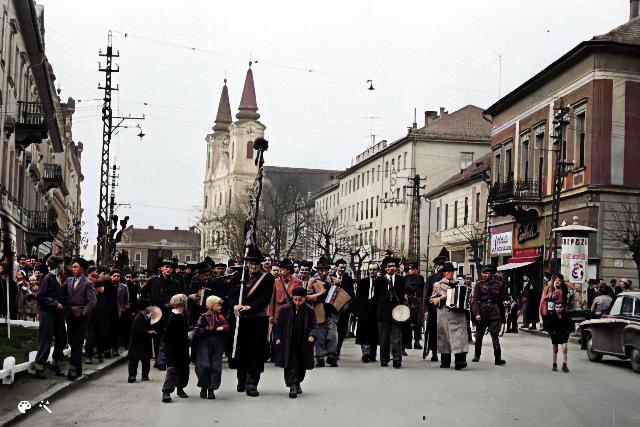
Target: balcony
pixel 515 197
pixel 52 178
pixel 30 126
pixel 41 227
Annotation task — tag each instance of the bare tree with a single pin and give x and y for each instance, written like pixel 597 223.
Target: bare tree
pixel 230 231
pixel 357 256
pixel 329 237
pixel 626 228
pixel 475 236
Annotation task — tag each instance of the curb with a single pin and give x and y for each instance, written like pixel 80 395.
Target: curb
pixel 573 338
pixel 62 389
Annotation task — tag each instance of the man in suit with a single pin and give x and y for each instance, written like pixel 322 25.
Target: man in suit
pixel 81 299
pixel 343 280
pixel 50 298
pixel 365 309
pixel 389 291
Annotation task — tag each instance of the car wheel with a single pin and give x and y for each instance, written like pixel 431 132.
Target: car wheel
pixel 635 360
pixel 593 355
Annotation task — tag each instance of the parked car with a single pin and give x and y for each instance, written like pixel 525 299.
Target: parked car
pixel 615 334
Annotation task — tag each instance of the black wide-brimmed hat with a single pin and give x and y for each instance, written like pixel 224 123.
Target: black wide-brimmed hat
pixel 83 263
pixel 448 267
pixel 253 255
pixel 286 263
pixel 389 259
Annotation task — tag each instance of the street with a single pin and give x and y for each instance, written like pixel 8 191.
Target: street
pixel 523 393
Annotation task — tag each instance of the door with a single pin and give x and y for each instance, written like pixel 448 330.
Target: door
pixel 621 322
pixel 603 333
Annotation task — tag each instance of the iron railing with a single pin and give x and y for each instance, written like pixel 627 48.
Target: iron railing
pixel 522 190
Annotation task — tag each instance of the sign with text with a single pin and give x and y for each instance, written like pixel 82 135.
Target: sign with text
pixel 501 243
pixel 573 265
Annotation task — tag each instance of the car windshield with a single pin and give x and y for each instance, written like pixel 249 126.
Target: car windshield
pixel 615 309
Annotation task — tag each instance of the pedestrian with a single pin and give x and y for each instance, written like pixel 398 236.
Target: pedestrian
pixel 140 341
pixel 342 279
pixel 415 281
pixel 25 297
pixel 431 315
pixel 532 296
pixel 253 327
pixel 451 324
pixel 81 300
pixel 365 310
pixel 389 292
pixel 51 299
pixel 294 340
pixel 326 332
pixel 176 349
pixel 96 343
pixel 559 323
pixel 601 303
pixel 209 340
pixel 488 310
pixel 543 308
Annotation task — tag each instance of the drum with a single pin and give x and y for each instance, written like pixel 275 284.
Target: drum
pixel 156 314
pixel 400 313
pixel 458 298
pixel 337 297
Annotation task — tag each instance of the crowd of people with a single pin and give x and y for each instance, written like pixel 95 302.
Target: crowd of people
pixel 296 314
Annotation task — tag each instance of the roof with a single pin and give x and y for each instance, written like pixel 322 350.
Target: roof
pixel 626 35
pixel 472 173
pixel 223 117
pixel 155 235
pixel 304 180
pixel 467 123
pixel 248 104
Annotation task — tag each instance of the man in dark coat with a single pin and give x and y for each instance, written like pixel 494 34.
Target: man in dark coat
pixel 415 281
pixel 158 291
pixel 253 327
pixel 342 279
pixel 389 291
pixel 294 340
pixel 488 310
pixel 51 299
pixel 81 300
pixel 365 310
pixel 176 349
pixel 532 297
pixel 96 339
pixel 432 315
pixel 140 343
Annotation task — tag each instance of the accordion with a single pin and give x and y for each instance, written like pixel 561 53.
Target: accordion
pixel 458 298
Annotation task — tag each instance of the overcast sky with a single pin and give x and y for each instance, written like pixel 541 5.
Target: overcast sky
pixel 419 54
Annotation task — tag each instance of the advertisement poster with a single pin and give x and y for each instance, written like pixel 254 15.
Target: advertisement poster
pixel 573 266
pixel 501 243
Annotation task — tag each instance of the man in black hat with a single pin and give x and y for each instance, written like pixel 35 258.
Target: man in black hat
pixel 431 334
pixel 488 310
pixel 343 280
pixel 51 299
pixel 389 291
pixel 253 327
pixel 415 281
pixel 202 287
pixel 365 310
pixel 81 300
pixel 158 291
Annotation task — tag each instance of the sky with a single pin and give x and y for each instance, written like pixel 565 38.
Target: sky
pixel 312 61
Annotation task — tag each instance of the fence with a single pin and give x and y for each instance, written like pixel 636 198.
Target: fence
pixel 9 367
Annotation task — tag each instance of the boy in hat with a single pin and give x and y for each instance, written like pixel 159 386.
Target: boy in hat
pixel 140 342
pixel 294 340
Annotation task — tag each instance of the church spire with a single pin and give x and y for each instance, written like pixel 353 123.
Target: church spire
pixel 248 105
pixel 223 118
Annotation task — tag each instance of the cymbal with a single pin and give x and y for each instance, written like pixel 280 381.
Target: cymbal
pixel 156 314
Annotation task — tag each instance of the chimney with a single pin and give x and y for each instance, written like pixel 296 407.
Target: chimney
pixel 150 227
pixel 634 10
pixel 443 112
pixel 176 228
pixel 429 117
pixel 415 124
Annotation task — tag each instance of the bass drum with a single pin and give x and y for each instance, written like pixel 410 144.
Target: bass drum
pixel 400 313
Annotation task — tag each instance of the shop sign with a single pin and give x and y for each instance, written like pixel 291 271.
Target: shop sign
pixel 527 253
pixel 527 231
pixel 528 234
pixel 501 243
pixel 573 265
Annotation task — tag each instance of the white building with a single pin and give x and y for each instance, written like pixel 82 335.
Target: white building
pixel 372 198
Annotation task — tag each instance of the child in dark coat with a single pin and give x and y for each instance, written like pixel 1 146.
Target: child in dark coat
pixel 294 342
pixel 140 342
pixel 209 342
pixel 176 349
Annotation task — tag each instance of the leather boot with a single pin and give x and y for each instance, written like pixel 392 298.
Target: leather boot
pixel 293 393
pixel 166 397
pixel 476 356
pixel 203 393
pixel 460 361
pixel 210 394
pixel 498 356
pixel 445 360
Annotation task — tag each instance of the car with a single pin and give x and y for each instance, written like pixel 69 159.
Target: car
pixel 615 334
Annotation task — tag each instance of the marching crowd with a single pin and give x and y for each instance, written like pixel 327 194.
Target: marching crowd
pixel 293 313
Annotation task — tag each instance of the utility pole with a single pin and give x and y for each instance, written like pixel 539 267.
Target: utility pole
pixel 414 224
pixel 114 184
pixel 104 212
pixel 561 169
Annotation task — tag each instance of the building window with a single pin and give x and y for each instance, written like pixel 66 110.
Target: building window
pixel 361 211
pixel 478 207
pixel 525 157
pixel 384 238
pixel 367 177
pixel 455 214
pixel 378 173
pixel 377 204
pixel 373 175
pixel 375 239
pixel 371 206
pixel 367 209
pixel 404 164
pixel 466 211
pixel 137 257
pixel 508 165
pixel 187 258
pixel 446 216
pixel 402 237
pixel 386 170
pixel 497 166
pixel 396 238
pixel 466 159
pixel 385 199
pixel 580 139
pixel 393 165
pixel 438 222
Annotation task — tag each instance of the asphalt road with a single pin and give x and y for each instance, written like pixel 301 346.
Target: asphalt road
pixel 525 392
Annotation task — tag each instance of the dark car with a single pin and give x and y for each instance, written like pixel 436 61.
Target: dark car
pixel 615 334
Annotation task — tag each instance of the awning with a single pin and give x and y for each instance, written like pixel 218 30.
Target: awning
pixel 512 265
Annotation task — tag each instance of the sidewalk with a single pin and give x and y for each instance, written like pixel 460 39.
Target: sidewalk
pixel 27 387
pixel 573 338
